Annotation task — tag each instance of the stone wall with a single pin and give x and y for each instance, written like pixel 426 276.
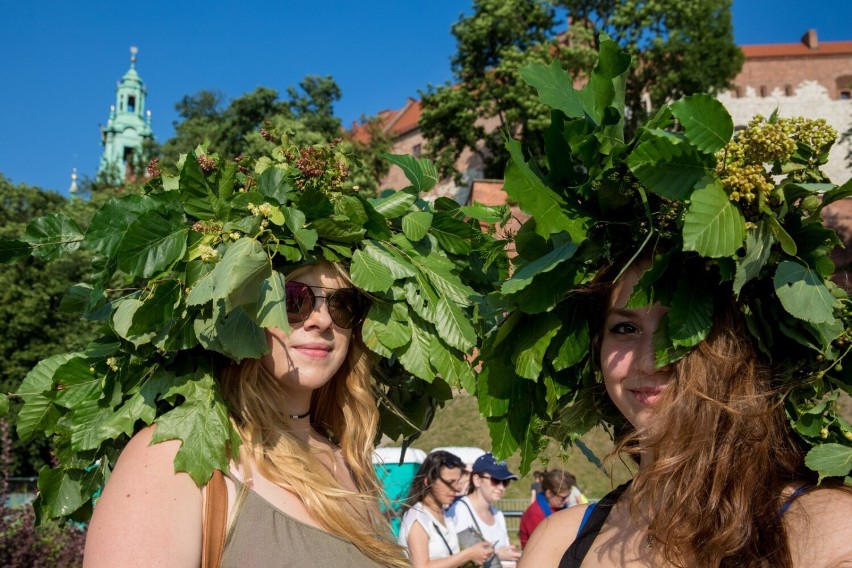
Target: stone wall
pixel 809 99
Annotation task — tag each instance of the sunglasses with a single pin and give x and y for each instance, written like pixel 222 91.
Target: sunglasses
pixel 346 306
pixel 496 482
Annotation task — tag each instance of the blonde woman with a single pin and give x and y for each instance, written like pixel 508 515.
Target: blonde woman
pixel 302 491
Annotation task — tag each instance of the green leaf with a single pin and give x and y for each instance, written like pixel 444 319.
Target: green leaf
pixel 830 460
pixel 383 325
pixel 534 339
pixel 52 236
pixel 758 248
pixel 555 87
pixel 398 265
pixel 452 368
pixel 803 294
pixel 4 404
pixel 240 337
pixel 153 241
pixel 691 314
pixel 487 213
pixel 13 250
pixel 199 197
pixel 571 344
pixel 75 382
pixel 110 222
pixel 668 167
pixel 420 172
pixel 238 276
pixel 440 273
pixel 39 413
pixel 788 245
pixel 539 201
pixel 306 239
pixel 369 274
pixel 706 122
pixel 271 305
pixel 713 226
pixel 415 357
pixel 394 204
pixel 64 491
pixel 503 443
pixel 158 309
pixel 453 325
pixel 201 423
pixel 272 183
pixel 524 276
pixel 416 224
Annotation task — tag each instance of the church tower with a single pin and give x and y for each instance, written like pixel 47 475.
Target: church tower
pixel 127 130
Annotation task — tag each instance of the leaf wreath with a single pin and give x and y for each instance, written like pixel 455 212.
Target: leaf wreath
pixel 733 212
pixel 187 275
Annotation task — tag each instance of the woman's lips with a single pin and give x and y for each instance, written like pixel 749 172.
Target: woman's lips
pixel 314 350
pixel 647 395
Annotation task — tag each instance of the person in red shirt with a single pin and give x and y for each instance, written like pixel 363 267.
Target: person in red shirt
pixel 556 486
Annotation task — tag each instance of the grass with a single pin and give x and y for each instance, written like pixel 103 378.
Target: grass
pixel 459 424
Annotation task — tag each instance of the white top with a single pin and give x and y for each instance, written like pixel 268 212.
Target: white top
pixel 463 516
pixel 434 529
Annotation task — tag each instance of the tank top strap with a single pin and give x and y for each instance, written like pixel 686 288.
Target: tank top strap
pixel 590 527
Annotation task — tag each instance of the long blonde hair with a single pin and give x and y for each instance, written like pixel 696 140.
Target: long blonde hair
pixel 345 411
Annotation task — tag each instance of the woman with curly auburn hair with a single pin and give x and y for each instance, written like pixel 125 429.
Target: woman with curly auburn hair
pixel 721 479
pixel 301 491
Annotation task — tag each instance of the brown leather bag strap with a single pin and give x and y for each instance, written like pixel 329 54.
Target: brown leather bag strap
pixel 215 521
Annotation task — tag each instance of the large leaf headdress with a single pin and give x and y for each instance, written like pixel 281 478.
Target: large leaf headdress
pixel 187 274
pixel 740 213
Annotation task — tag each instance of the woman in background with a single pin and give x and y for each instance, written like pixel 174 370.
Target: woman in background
pixel 489 480
pixel 429 535
pixel 557 492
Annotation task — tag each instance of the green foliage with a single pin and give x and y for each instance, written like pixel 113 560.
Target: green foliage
pixel 705 211
pixel 497 39
pixel 202 257
pixel 31 303
pixel 306 115
pixel 679 47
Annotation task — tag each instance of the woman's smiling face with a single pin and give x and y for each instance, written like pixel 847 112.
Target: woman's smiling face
pixel 632 379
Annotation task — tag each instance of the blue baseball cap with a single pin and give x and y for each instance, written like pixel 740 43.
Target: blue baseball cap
pixel 487 463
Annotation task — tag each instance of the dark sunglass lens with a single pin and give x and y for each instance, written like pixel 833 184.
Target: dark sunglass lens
pixel 344 307
pixel 299 299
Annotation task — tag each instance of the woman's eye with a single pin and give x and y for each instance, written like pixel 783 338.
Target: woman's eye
pixel 624 328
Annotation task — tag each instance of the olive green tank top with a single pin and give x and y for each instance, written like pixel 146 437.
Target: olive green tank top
pixel 262 535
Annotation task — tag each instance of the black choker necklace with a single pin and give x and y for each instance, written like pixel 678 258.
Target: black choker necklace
pixel 298 416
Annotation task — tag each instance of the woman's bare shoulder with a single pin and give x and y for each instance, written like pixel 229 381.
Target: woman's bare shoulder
pixel 552 537
pixel 147 512
pixel 820 527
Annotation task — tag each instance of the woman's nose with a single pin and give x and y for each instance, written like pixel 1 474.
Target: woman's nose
pixel 646 359
pixel 319 316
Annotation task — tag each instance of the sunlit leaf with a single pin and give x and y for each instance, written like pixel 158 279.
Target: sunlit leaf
pixel 713 226
pixel 803 294
pixel 705 120
pixel 52 236
pixel 830 460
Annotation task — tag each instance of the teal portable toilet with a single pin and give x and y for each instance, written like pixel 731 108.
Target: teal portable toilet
pixel 395 478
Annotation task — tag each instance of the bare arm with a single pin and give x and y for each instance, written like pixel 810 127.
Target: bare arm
pixel 552 537
pixel 148 515
pixel 418 551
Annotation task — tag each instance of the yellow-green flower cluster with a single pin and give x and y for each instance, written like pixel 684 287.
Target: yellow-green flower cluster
pixel 815 133
pixel 742 163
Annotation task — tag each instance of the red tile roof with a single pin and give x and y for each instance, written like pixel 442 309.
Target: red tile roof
pixel 796 49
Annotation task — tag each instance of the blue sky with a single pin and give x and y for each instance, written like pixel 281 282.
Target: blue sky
pixel 60 60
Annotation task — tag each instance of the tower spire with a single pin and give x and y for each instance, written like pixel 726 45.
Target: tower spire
pixel 127 130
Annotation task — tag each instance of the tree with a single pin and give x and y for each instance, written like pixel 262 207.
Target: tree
pixel 307 114
pixel 31 293
pixel 493 43
pixel 679 46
